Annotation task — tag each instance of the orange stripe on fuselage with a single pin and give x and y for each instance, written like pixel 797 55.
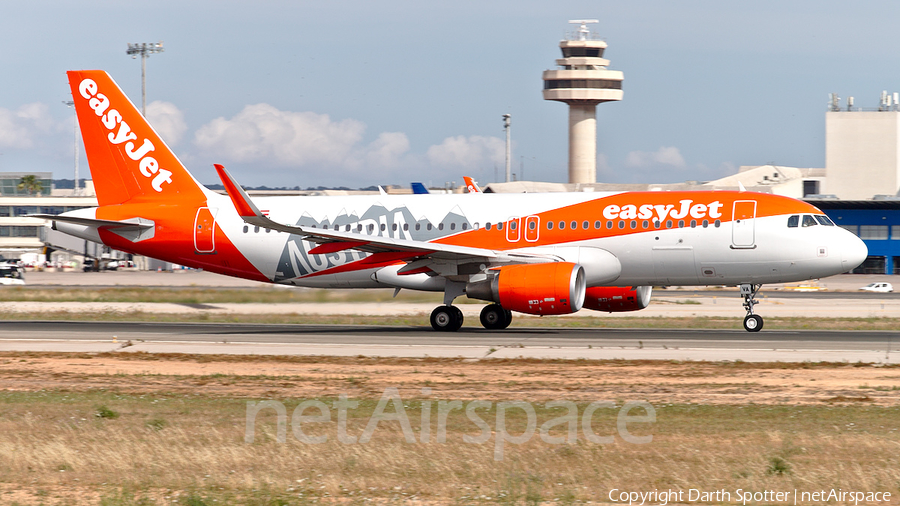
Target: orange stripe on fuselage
pixel 718 206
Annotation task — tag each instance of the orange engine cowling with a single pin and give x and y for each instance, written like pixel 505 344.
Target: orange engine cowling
pixel 615 299
pixel 538 289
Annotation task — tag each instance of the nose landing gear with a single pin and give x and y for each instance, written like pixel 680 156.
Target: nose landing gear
pixel 752 322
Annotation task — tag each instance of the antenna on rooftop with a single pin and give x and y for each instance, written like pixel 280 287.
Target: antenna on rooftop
pixel 834 102
pixel 583 31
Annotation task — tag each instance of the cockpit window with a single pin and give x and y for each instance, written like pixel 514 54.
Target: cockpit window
pixel 794 221
pixel 825 220
pixel 809 221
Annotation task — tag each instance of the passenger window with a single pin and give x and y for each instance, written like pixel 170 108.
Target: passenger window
pixel 809 221
pixel 500 226
pixel 825 220
pixel 562 225
pixel 487 226
pixel 549 225
pixel 794 221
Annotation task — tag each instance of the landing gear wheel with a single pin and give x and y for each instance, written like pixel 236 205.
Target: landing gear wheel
pixel 753 323
pixel 446 318
pixel 494 317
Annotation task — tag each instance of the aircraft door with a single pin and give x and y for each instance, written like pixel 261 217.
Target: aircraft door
pixel 512 230
pixel 205 231
pixel 743 218
pixel 532 228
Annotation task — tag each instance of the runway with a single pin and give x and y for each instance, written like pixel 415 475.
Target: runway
pixel 472 343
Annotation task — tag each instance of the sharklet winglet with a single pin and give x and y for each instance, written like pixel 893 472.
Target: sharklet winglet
pixel 245 207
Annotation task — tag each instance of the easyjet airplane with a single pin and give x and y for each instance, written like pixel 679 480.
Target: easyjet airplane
pixel 547 254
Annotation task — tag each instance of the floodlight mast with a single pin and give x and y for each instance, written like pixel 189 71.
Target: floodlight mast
pixel 506 125
pixel 145 50
pixel 71 103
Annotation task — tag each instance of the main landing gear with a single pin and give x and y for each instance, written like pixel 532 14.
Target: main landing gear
pixel 449 318
pixel 752 322
pixel 494 317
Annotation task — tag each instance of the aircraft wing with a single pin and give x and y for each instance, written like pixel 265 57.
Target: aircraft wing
pixel 332 241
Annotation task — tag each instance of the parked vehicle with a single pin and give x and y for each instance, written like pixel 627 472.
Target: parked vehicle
pixel 878 287
pixel 11 274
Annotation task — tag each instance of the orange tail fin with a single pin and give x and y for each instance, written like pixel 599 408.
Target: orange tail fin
pixel 128 159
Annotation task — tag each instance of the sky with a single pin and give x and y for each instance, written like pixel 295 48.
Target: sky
pixel 357 93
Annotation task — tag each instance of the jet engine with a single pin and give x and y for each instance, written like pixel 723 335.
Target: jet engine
pixel 616 299
pixel 539 289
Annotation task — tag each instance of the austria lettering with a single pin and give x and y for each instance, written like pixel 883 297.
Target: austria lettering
pixel 110 118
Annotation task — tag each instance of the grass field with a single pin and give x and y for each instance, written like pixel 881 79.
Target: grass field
pixel 198 295
pixel 141 429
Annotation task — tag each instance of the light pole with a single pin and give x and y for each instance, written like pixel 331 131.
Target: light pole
pixel 145 50
pixel 71 104
pixel 506 123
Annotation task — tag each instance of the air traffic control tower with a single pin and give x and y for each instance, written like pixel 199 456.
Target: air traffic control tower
pixel 583 81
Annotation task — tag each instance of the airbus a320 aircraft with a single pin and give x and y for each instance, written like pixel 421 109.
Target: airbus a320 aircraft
pixel 547 254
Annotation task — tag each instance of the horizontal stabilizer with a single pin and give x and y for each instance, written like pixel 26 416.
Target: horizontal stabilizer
pixel 133 229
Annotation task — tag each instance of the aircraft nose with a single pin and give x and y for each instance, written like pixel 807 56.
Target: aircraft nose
pixel 853 252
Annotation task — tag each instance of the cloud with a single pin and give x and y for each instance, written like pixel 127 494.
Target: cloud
pixel 669 156
pixel 467 153
pixel 26 126
pixel 261 132
pixel 167 120
pixel 387 151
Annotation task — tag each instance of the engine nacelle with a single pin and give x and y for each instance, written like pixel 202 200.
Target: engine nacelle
pixel 615 299
pixel 539 289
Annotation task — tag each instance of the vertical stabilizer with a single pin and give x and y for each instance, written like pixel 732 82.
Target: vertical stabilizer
pixel 128 159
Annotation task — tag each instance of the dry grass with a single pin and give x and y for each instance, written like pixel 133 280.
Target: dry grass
pixel 195 445
pixel 127 428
